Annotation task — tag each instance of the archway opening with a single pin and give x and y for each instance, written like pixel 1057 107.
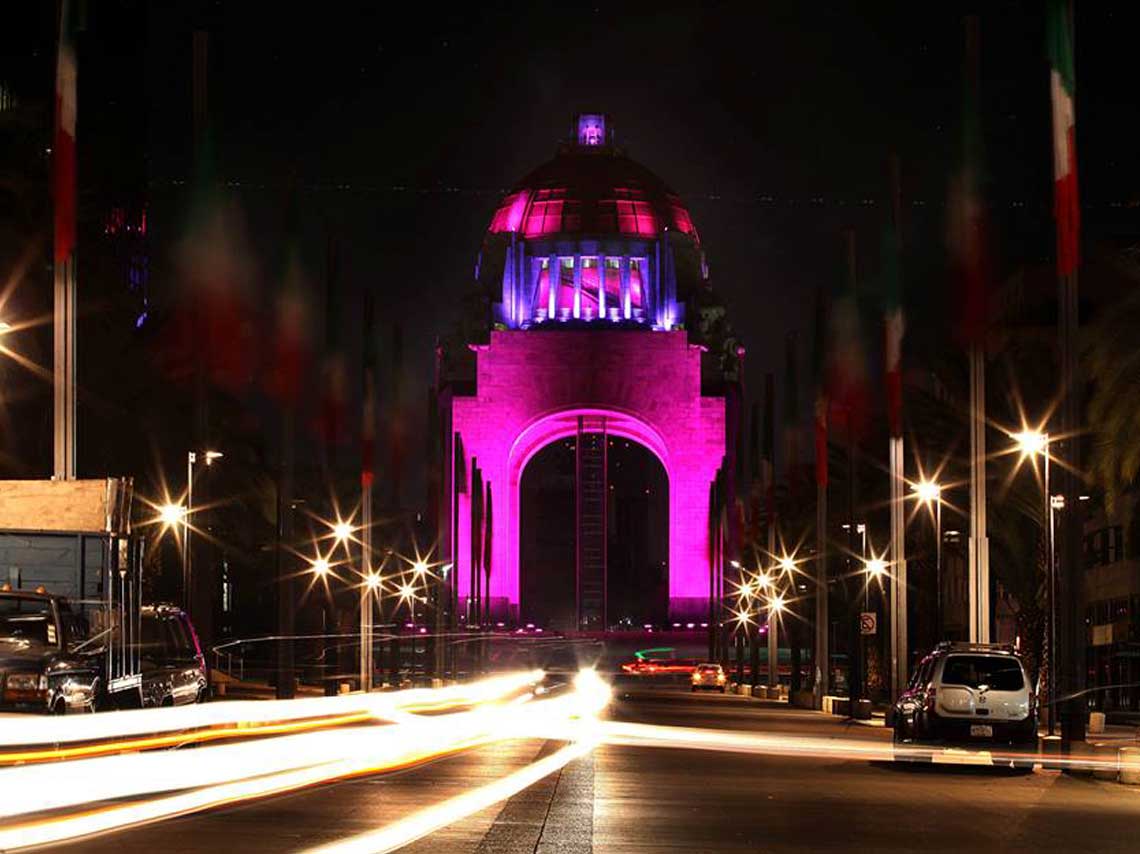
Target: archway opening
pixel 636 535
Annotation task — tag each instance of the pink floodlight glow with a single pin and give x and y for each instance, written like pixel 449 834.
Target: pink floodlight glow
pixel 647 388
pixel 509 216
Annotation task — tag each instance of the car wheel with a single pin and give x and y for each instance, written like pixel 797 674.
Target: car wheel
pixel 59 707
pixel 722 689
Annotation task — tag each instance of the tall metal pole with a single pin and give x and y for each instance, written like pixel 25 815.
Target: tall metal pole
pixel 978 579
pixel 187 553
pixel 1051 556
pixel 938 569
pixel 822 624
pixel 898 612
pixel 64 193
pixel 367 590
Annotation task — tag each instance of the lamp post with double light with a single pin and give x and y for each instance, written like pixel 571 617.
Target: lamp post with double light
pixel 208 458
pixel 930 493
pixel 875 570
pixel 1033 444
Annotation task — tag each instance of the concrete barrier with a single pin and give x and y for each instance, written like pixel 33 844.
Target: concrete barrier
pixel 1128 758
pixel 772 692
pixel 1096 723
pixel 744 690
pixel 862 710
pixel 837 705
pixel 803 699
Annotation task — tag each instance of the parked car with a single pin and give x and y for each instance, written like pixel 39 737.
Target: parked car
pixel 47 662
pixel 967 693
pixel 172 665
pixel 709 677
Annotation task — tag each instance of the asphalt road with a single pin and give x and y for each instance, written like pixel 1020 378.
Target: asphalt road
pixel 667 800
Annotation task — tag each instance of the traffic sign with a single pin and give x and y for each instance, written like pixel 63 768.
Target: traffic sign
pixel 868 622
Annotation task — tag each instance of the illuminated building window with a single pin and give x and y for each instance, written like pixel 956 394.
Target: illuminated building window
pixel 543 305
pixel 590 289
pixel 613 286
pixel 636 284
pixel 510 214
pixel 565 300
pixel 545 213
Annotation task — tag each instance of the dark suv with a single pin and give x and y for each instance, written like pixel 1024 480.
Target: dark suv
pixel 173 667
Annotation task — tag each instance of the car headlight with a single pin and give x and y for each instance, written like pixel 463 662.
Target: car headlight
pixel 26 682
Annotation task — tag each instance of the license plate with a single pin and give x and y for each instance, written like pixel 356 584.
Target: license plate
pixel 981 731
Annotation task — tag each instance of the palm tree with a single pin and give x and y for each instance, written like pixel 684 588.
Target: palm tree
pixel 1112 365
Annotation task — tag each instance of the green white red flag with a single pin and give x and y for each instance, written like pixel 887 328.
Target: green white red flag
pixel 1062 87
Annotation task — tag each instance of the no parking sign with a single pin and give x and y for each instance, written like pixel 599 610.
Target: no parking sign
pixel 868 623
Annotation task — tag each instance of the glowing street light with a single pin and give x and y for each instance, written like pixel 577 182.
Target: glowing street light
pixel 320 567
pixel 5 326
pixel 929 492
pixel 1031 442
pixel 372 581
pixel 787 565
pixel 777 604
pixel 171 514
pixel 764 581
pixel 420 568
pixel 1034 443
pixel 876 567
pixel 342 531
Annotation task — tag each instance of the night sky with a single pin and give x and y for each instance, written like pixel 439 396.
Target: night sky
pixel 403 125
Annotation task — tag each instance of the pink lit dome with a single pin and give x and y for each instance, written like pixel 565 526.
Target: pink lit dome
pixel 591 188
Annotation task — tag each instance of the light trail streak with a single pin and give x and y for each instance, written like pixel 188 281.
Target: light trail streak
pixel 590 698
pixel 269 766
pixel 809 747
pixel 420 824
pixel 148 729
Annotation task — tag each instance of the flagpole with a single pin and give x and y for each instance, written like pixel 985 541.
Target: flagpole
pixel 64 270
pixel 894 333
pixel 978 569
pixel 1067 215
pixel 822 653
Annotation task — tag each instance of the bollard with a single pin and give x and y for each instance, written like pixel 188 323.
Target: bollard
pixel 1128 758
pixel 1096 723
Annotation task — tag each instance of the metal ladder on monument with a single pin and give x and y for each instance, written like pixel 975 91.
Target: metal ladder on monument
pixel 591 482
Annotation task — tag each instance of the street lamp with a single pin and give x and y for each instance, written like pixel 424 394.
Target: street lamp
pixel 876 568
pixel 930 493
pixel 171 514
pixel 5 326
pixel 320 567
pixel 787 565
pixel 342 531
pixel 1031 444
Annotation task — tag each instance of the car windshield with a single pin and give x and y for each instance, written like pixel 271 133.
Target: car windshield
pixel 709 668
pixel 26 619
pixel 999 673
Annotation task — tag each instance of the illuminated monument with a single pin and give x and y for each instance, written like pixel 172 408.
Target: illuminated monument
pixel 593 317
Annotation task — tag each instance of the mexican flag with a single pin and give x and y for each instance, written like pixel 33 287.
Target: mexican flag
pixel 1062 86
pixel 63 150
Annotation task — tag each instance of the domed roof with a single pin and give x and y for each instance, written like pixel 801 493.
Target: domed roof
pixel 591 188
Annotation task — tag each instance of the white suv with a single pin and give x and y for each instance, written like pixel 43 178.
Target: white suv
pixel 967 693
